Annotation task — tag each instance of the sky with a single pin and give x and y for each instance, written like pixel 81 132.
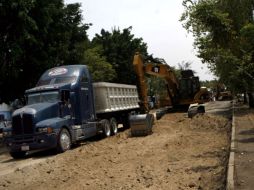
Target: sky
pixel 155 21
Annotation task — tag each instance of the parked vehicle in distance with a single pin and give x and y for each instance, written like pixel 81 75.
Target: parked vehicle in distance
pixel 5 116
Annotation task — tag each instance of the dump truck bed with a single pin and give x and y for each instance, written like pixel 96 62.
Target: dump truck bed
pixel 111 97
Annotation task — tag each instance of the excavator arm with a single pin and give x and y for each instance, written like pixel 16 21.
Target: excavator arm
pixel 141 82
pixel 141 124
pixel 159 69
pixel 178 95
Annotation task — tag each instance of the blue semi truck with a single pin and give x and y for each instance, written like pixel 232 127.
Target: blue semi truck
pixel 66 107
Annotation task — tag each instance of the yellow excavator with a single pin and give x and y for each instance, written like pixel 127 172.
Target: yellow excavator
pixel 181 92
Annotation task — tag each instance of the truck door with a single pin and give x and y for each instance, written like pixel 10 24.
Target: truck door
pixel 86 101
pixel 86 107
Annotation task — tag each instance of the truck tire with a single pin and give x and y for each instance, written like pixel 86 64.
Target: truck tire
pixel 106 128
pixel 113 126
pixel 64 141
pixel 18 155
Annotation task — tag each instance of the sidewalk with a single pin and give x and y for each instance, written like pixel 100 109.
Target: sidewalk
pixel 244 148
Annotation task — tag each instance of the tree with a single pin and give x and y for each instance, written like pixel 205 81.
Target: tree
pixel 119 47
pixel 36 35
pixel 223 30
pixel 101 70
pixel 184 65
pixel 16 26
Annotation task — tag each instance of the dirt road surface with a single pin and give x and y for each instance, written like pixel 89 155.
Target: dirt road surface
pixel 181 153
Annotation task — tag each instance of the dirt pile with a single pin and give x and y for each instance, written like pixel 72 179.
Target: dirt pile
pixel 181 153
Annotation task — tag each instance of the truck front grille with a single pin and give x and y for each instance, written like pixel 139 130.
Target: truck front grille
pixel 22 124
pixel 17 127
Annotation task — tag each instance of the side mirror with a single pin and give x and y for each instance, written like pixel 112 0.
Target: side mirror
pixel 16 104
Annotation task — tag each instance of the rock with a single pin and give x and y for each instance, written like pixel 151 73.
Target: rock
pixel 49 171
pixel 191 185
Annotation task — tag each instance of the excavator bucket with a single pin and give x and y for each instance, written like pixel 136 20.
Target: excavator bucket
pixel 195 109
pixel 141 125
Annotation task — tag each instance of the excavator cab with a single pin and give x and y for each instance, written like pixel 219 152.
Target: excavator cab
pixel 189 84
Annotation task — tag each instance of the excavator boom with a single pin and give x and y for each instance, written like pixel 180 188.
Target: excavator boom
pixel 142 86
pixel 182 93
pixel 157 69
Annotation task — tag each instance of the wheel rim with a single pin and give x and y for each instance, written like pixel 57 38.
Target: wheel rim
pixel 114 126
pixel 65 141
pixel 107 129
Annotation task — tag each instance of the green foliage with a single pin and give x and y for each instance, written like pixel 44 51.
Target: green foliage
pixel 177 71
pixel 119 48
pixel 156 86
pixel 223 32
pixel 101 70
pixel 184 65
pixel 34 36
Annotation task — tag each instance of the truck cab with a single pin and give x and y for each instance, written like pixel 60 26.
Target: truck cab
pixel 57 111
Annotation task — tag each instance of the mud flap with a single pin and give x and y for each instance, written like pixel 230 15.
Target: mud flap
pixel 141 125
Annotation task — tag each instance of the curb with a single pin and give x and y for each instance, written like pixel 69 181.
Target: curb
pixel 231 162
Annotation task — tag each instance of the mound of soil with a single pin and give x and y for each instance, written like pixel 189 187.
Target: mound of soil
pixel 182 153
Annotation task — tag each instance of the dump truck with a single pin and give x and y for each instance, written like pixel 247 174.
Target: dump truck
pixel 66 107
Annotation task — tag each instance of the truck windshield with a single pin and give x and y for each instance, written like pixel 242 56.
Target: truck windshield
pixel 57 80
pixel 43 97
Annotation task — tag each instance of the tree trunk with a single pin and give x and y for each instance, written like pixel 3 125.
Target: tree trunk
pixel 251 100
pixel 245 101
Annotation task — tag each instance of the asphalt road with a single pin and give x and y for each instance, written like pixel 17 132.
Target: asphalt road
pixel 219 107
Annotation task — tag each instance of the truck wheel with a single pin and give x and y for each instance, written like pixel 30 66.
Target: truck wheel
pixel 17 155
pixel 113 126
pixel 64 141
pixel 106 128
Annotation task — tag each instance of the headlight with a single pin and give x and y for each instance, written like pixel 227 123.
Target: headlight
pixel 44 130
pixel 7 133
